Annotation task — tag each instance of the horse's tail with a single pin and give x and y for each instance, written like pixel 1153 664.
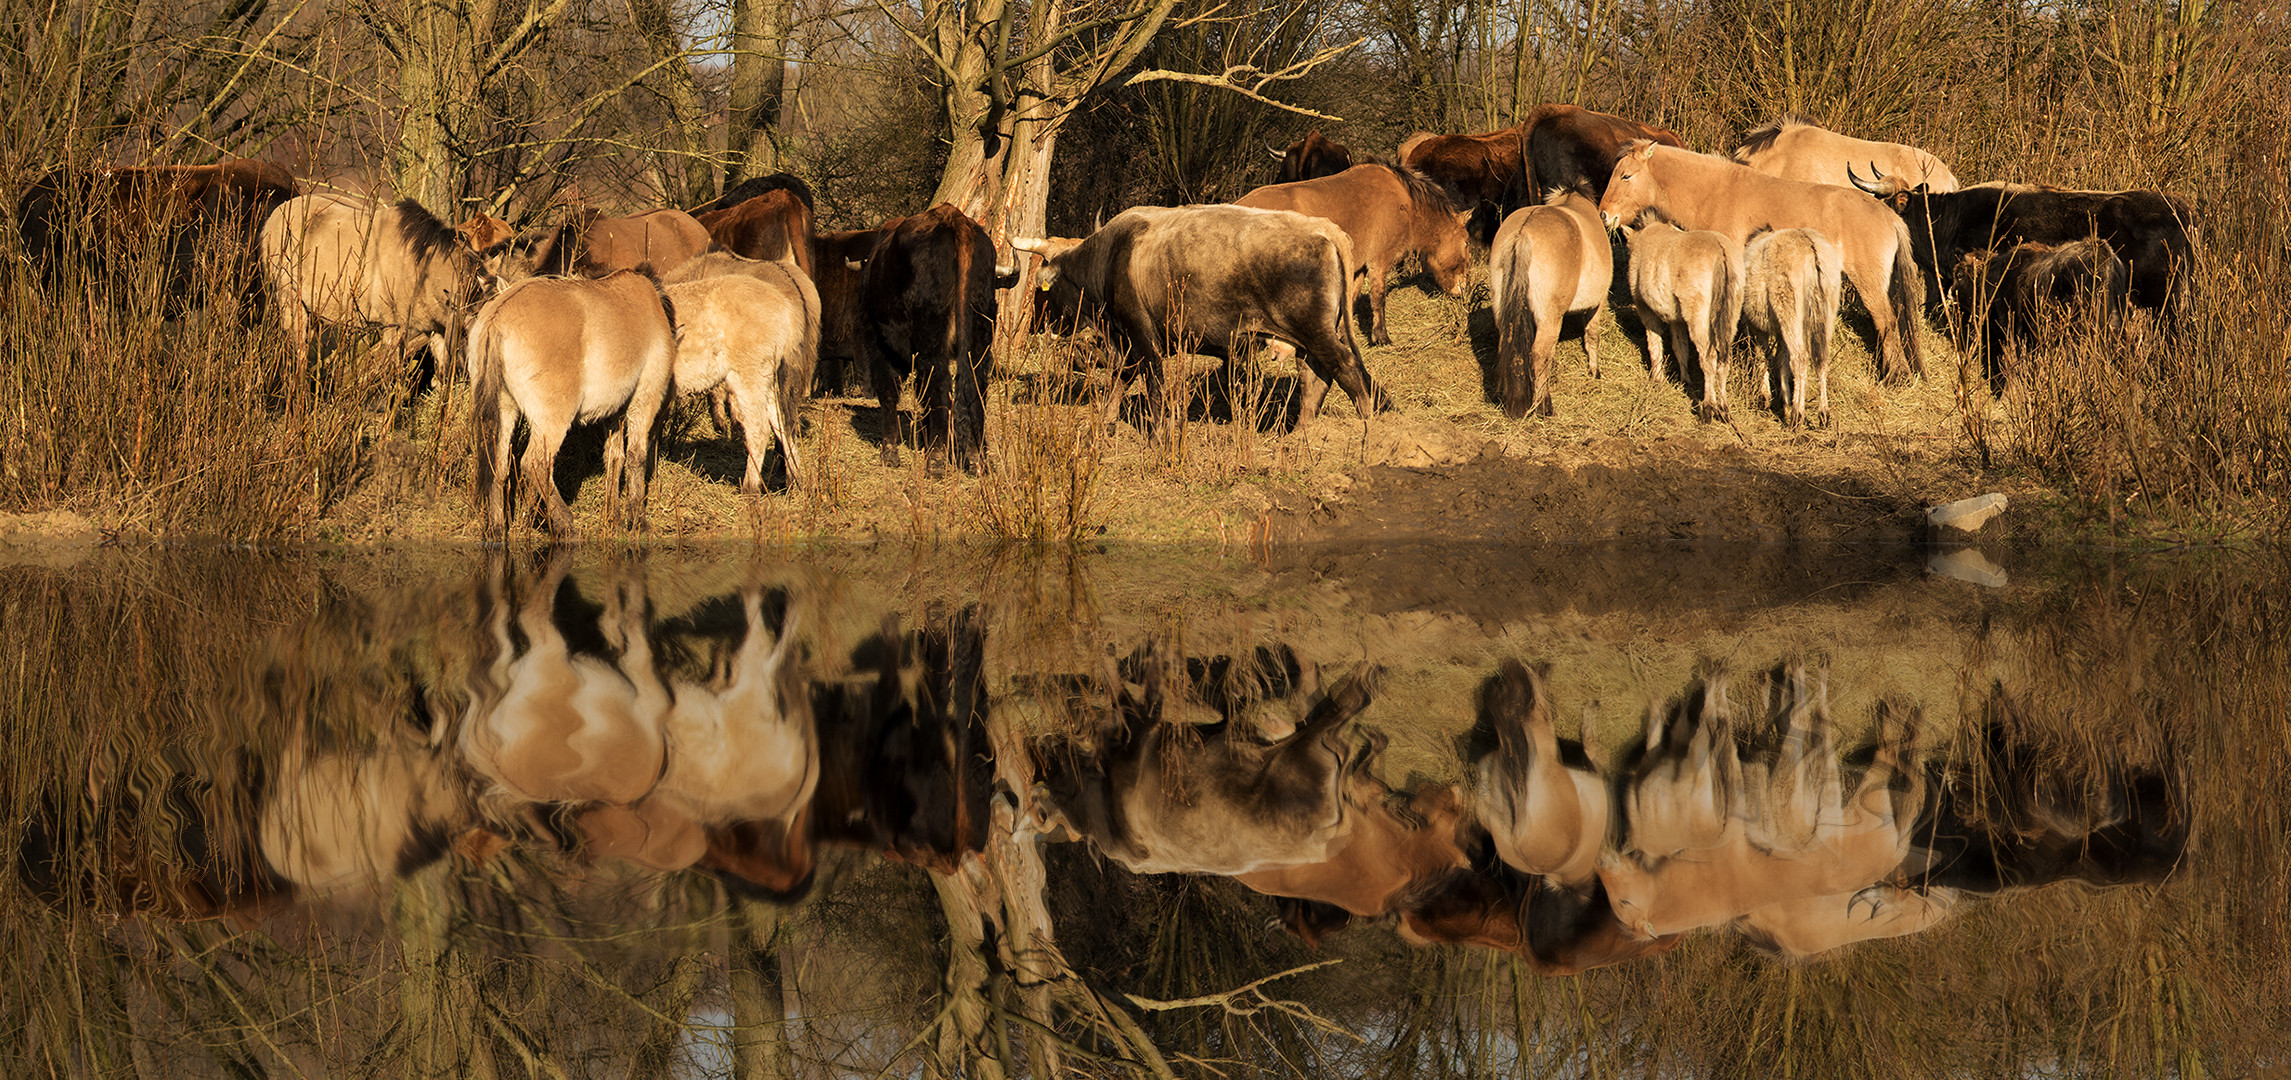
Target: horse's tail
pixel 1906 294
pixel 1818 308
pixel 795 379
pixel 1515 329
pixel 486 378
pixel 1726 310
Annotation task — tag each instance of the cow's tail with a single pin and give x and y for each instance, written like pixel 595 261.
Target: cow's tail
pixel 486 378
pixel 1346 264
pixel 1906 294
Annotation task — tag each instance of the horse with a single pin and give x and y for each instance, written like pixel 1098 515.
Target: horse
pixel 1790 281
pixel 1390 213
pixel 588 244
pixel 1796 149
pixel 1688 286
pixel 754 331
pixel 349 260
pixel 1548 262
pixel 1697 191
pixel 556 350
pixel 103 216
pixel 773 226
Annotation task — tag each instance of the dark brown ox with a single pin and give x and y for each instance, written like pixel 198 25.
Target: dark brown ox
pixel 1202 279
pixel 351 261
pixel 1390 213
pixel 775 227
pixel 1697 191
pixel 1548 263
pixel 1556 147
pixel 846 331
pixel 1310 158
pixel 1795 149
pixel 588 244
pixel 930 286
pixel 104 218
pixel 2005 299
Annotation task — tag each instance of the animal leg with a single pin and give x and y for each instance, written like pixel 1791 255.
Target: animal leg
pixel 1539 371
pixel 1378 284
pixel 1891 368
pixel 643 411
pixel 496 500
pixel 1591 337
pixel 1713 374
pixel 540 466
pixel 886 380
pixel 720 409
pixel 1655 328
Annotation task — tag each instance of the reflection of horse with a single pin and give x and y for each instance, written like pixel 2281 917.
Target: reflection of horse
pixel 1816 924
pixel 1546 815
pixel 1798 836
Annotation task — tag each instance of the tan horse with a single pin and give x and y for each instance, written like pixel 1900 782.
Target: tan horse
pixel 1544 816
pixel 1688 287
pixel 352 261
pixel 556 350
pixel 1790 283
pixel 1548 262
pixel 1698 191
pixel 1794 149
pixel 755 334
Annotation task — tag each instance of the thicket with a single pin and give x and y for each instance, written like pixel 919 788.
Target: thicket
pixel 201 424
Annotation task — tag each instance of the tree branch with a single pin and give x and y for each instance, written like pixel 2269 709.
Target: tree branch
pixel 1236 78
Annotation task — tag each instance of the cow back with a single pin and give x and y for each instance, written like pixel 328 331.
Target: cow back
pixel 774 226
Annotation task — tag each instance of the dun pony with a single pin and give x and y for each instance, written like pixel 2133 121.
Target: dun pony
pixel 348 260
pixel 1688 287
pixel 755 335
pixel 1790 285
pixel 556 350
pixel 1548 262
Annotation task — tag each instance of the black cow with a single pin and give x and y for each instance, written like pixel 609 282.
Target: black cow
pixel 2149 230
pixel 1312 157
pixel 2003 297
pixel 930 285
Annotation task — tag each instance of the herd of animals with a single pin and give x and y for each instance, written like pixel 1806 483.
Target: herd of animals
pixel 583 727
pixel 594 318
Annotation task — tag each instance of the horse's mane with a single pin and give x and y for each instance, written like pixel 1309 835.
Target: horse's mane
pixel 422 231
pixel 1425 192
pixel 1759 138
pixel 760 185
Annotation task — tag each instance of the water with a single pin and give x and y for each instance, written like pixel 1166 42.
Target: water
pixel 1415 811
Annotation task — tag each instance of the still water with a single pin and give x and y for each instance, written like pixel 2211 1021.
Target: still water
pixel 1396 812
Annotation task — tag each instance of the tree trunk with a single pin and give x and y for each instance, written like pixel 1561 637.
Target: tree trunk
pixel 693 178
pixel 759 82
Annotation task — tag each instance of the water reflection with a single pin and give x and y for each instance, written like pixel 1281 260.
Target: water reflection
pixel 970 831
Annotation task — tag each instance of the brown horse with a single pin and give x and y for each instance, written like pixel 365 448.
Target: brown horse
pixel 101 218
pixel 1697 191
pixel 556 350
pixel 1548 262
pixel 1390 213
pixel 757 337
pixel 588 244
pixel 352 261
pixel 774 226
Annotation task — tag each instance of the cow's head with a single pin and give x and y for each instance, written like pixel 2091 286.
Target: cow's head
pixel 1632 189
pixel 1058 297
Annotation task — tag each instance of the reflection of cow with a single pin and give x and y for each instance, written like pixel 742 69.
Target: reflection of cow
pixel 1804 927
pixel 1160 797
pixel 1385 858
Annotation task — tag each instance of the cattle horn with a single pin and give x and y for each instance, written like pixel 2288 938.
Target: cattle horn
pixel 1278 154
pixel 1020 243
pixel 1005 276
pixel 1869 186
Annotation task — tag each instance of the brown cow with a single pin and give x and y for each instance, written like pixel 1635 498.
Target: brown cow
pixel 588 244
pixel 846 332
pixel 774 226
pixel 1555 147
pixel 99 218
pixel 930 285
pixel 1390 213
pixel 1310 158
pixel 1795 149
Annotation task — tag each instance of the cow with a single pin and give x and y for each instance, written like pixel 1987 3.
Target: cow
pixel 2002 298
pixel 1390 213
pixel 930 286
pixel 1310 158
pixel 2151 231
pixel 1793 148
pixel 774 226
pixel 1202 278
pixel 1548 263
pixel 103 217
pixel 1498 172
pixel 1697 191
pixel 588 244
pixel 1798 929
pixel 846 331
pixel 352 261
